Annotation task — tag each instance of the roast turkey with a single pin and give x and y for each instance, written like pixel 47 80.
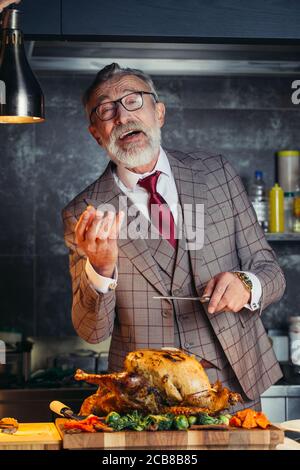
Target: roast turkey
pixel 157 381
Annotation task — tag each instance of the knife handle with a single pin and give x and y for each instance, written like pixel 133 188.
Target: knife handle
pixel 62 410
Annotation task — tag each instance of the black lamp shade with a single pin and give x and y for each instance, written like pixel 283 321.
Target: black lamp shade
pixel 21 97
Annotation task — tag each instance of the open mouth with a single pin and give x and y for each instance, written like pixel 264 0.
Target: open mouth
pixel 130 135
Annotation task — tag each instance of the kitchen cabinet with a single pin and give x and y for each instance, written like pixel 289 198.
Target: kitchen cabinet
pixel 281 403
pixel 163 20
pixel 274 408
pixel 191 20
pixel 40 18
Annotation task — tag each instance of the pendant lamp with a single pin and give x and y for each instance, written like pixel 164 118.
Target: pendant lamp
pixel 21 97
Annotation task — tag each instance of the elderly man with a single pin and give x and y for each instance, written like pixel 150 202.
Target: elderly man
pixel 116 278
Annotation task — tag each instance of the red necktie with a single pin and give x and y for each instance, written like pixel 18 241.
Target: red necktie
pixel 161 215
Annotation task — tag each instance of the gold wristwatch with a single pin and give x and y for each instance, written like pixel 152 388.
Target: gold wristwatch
pixel 245 280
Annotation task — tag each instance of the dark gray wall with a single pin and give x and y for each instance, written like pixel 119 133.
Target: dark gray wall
pixel 43 166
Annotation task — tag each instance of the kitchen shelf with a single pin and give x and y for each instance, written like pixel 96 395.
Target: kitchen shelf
pixel 283 237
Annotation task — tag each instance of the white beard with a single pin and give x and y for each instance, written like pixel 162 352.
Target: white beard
pixel 135 154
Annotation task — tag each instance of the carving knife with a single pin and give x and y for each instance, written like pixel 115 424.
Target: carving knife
pixel 203 299
pixel 63 410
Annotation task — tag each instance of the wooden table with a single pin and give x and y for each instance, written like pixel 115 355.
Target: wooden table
pixel 32 436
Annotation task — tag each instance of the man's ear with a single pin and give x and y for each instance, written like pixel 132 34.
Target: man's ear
pixel 95 134
pixel 160 113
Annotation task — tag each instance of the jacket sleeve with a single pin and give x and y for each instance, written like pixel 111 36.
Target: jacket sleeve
pixel 255 253
pixel 93 313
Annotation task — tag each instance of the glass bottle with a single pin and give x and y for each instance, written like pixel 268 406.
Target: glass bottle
pixel 259 200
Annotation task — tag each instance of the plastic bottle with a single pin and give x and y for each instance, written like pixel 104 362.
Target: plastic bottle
pixel 288 164
pixel 276 212
pixel 296 211
pixel 259 200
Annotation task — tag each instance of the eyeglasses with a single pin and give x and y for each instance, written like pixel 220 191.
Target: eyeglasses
pixel 131 102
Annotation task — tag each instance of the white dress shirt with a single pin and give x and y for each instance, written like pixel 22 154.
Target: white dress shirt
pixel 166 187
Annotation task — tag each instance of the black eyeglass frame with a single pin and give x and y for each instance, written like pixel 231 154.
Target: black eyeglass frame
pixel 141 93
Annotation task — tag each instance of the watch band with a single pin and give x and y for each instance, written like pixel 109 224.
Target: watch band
pixel 245 280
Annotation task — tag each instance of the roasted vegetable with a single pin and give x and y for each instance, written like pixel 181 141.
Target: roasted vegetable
pixel 159 422
pixel 223 419
pixel 204 418
pixel 112 418
pixel 249 419
pixel 181 422
pixel 89 424
pixel 133 420
pixel 192 420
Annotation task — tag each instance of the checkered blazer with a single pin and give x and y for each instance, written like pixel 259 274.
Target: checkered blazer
pixel 233 240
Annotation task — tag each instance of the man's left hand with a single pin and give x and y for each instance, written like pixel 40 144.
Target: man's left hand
pixel 227 293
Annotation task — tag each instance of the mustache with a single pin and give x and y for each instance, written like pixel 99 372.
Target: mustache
pixel 129 126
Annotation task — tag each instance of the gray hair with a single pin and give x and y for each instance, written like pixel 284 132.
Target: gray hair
pixel 111 71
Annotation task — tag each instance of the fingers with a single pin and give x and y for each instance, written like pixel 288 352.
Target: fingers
pixel 227 293
pixel 92 230
pixel 116 227
pixel 105 226
pixel 209 288
pixel 94 225
pixel 83 223
pixel 218 293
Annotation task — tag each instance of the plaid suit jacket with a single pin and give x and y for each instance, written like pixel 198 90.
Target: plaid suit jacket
pixel 233 240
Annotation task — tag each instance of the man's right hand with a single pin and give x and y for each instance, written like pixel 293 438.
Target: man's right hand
pixel 96 234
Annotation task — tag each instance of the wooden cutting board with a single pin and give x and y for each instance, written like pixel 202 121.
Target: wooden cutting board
pixel 231 438
pixel 32 436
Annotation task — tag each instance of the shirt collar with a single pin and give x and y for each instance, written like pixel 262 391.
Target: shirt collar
pixel 130 179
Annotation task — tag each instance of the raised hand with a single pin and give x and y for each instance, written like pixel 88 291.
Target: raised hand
pixel 96 233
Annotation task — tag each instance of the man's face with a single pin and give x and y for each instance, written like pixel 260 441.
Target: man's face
pixel 129 149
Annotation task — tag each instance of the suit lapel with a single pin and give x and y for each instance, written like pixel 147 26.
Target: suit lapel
pixel 107 192
pixel 192 193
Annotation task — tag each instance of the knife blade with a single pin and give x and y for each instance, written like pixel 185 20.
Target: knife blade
pixel 202 299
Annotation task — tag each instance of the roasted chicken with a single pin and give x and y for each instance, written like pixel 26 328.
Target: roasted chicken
pixel 157 381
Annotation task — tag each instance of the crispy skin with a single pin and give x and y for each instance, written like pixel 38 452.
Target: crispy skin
pixel 177 375
pixel 156 381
